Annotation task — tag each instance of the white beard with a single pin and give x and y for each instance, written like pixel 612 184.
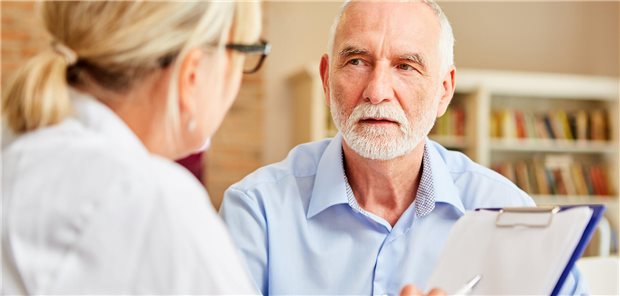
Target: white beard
pixel 376 142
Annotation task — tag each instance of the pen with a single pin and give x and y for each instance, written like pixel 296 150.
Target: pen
pixel 465 290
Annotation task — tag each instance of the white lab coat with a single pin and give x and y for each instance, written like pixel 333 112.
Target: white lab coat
pixel 86 209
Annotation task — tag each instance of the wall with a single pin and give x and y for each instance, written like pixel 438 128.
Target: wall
pixel 22 36
pixel 298 32
pixel 566 37
pixel 236 148
pixel 563 37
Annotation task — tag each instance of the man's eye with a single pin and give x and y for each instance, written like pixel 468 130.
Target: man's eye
pixel 355 62
pixel 405 67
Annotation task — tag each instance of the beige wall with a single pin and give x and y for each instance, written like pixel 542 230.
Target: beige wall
pixel 563 37
pixel 297 31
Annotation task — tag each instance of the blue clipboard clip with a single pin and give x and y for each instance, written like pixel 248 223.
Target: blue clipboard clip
pixel 547 213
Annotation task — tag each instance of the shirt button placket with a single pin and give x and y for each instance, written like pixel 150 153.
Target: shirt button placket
pixel 381 270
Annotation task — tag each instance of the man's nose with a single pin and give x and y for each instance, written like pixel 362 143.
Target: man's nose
pixel 379 88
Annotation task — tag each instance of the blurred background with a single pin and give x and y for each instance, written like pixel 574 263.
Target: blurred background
pixel 537 94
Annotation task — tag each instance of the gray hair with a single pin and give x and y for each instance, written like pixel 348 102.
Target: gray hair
pixel 446 40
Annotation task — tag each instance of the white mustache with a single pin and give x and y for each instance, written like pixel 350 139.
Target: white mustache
pixel 384 111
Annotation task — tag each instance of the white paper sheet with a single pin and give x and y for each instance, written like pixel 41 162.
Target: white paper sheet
pixel 512 260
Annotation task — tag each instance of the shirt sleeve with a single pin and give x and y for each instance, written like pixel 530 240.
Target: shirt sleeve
pixel 248 227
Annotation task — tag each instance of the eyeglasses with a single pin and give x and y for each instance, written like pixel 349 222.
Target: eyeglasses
pixel 255 54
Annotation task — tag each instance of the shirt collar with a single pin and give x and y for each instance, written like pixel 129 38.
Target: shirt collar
pixel 425 196
pixel 443 183
pixel 330 187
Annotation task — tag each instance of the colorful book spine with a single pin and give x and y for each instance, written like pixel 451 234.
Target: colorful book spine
pixel 580 125
pixel 452 123
pixel 557 175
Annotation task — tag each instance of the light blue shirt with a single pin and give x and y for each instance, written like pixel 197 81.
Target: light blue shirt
pixel 301 231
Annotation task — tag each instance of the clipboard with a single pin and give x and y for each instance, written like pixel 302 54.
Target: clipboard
pixel 503 244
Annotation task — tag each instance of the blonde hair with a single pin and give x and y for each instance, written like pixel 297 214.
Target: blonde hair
pixel 116 44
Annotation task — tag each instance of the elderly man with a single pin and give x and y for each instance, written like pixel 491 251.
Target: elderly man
pixel 369 210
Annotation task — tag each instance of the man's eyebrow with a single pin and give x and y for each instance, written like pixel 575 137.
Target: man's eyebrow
pixel 415 58
pixel 350 50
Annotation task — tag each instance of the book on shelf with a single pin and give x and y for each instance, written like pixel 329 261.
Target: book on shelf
pixel 578 178
pixel 523 176
pixel 598 123
pixel 599 181
pixel 520 124
pixel 550 131
pixel 451 124
pixel 580 125
pixel 564 126
pixel 560 167
pixel 560 184
pixel 494 125
pixel 530 124
pixel 540 127
pixel 557 175
pixel 542 181
pixel 508 124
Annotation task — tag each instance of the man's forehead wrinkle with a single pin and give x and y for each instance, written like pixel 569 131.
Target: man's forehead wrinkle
pixel 382 42
pixel 357 27
pixel 390 31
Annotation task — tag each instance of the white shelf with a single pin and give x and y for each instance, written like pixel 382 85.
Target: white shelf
pixel 543 85
pixel 573 199
pixel 545 145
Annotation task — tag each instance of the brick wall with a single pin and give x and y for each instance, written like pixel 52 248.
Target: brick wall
pixel 22 35
pixel 236 147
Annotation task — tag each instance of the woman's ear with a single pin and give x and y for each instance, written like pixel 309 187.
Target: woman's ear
pixel 189 72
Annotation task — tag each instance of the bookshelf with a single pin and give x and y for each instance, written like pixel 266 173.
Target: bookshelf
pixel 536 105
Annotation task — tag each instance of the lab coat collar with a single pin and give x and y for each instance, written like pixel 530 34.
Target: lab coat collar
pixel 98 117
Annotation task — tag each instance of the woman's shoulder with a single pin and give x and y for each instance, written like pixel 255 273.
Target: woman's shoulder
pixel 87 196
pixel 68 162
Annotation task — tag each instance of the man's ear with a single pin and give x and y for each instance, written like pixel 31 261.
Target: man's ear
pixel 448 84
pixel 188 80
pixel 324 68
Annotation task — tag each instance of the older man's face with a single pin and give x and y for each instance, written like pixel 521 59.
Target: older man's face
pixel 384 82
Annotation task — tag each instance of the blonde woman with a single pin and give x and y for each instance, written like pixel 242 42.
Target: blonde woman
pixel 92 202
